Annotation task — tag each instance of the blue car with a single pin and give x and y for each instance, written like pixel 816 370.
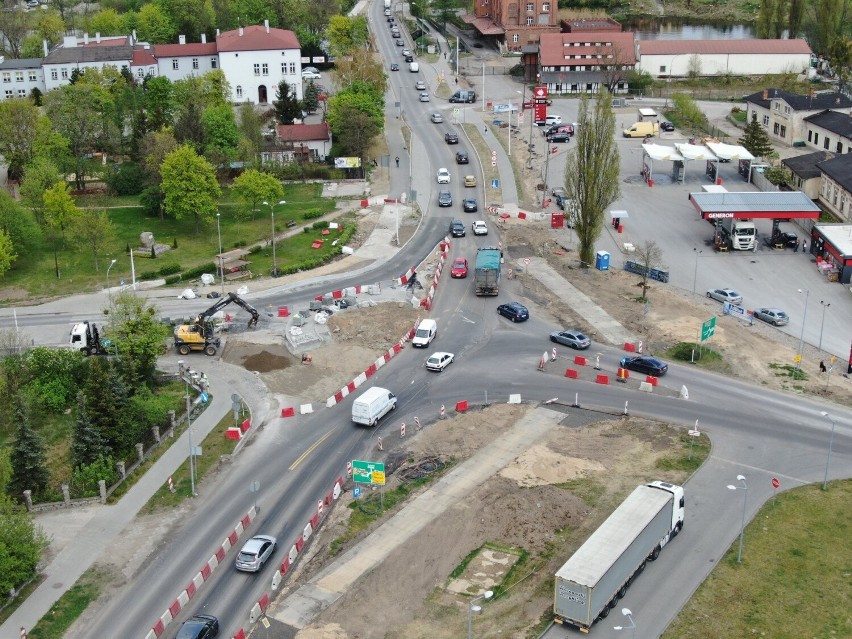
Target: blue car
pixel 514 311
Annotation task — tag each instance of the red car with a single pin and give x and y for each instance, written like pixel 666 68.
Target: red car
pixel 459 268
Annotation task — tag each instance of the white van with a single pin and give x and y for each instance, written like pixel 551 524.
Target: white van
pixel 372 405
pixel 426 331
pixel 414 67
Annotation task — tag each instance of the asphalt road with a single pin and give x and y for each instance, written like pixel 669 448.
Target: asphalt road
pixel 755 432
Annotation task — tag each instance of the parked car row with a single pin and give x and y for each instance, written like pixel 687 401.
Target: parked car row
pixel 770 315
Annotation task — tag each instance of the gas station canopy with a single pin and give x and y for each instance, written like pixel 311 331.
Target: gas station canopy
pixel 660 152
pixel 782 205
pixel 729 151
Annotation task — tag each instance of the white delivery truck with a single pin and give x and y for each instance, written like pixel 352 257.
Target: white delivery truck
pixel 590 584
pixel 387 4
pixel 372 405
pixel 426 331
pixel 414 67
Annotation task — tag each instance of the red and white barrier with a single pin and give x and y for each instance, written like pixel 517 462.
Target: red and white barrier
pixel 338 294
pixel 444 247
pixel 200 577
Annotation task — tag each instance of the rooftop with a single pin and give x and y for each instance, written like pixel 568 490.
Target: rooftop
pixel 303 132
pixel 63 55
pixel 178 50
pixel 816 102
pixel 757 47
pixel 838 235
pixel 556 46
pixel 257 38
pixel 839 123
pixel 805 166
pixel 839 169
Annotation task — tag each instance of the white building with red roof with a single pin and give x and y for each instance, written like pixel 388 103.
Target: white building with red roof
pixel 583 61
pixel 298 142
pixel 681 58
pixel 181 60
pixel 256 58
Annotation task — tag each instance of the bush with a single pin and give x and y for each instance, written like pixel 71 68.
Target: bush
pixel 254 250
pixel 148 275
pixel 128 179
pixel 173 279
pixel 171 269
pixel 317 226
pixel 312 214
pixel 198 271
pixel 152 201
pixel 86 477
pixel 240 243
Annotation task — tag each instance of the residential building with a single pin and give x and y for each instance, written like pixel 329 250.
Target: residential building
pixel 513 24
pixel 830 131
pixel 683 58
pixel 783 113
pixel 19 77
pixel 299 142
pixel 59 64
pixel 807 176
pixel 256 58
pixel 836 190
pixel 181 60
pixel 584 61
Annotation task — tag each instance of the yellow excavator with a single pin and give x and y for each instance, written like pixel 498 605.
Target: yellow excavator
pixel 199 336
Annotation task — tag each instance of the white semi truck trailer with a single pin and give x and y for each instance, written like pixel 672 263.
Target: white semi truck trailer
pixel 592 581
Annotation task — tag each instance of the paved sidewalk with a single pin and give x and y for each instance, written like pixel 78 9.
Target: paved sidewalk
pixel 106 523
pixel 323 589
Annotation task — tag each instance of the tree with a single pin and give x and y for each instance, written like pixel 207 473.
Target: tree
pixel 592 173
pixel 59 212
pixel 21 545
pixel 638 81
pixel 189 185
pixel 48 25
pixel 648 255
pixel 694 67
pixel 155 147
pixel 353 73
pixel 840 58
pixel 445 9
pixel 15 24
pixel 28 468
pixel 765 24
pixel 689 113
pixel 5 469
pixel 7 253
pixel 18 223
pixel 139 337
pixel 106 22
pixel 188 127
pixel 101 407
pixel 254 187
pixel 18 130
pixel 221 135
pixel 251 127
pixel 310 98
pixel 755 139
pixel 192 17
pixel 345 34
pixel 39 175
pixel 159 101
pixel 794 18
pixel 287 107
pixel 93 230
pixel 359 97
pixel 616 68
pixel 86 443
pixel 153 25
pixel 355 138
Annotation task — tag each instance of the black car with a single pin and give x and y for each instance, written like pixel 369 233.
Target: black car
pixel 400 43
pixel 394 67
pixel 390 18
pixel 461 158
pixel 469 205
pixel 645 364
pixel 409 58
pixel 451 138
pixel 199 627
pixel 784 240
pixel 514 311
pixel 667 126
pixel 445 198
pixel 457 228
pixel 559 137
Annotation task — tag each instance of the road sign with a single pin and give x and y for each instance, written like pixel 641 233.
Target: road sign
pixel 204 397
pixel 694 433
pixel 527 261
pixel 366 472
pixel 775 482
pixel 456 110
pixel 495 184
pixel 708 329
pixel 356 493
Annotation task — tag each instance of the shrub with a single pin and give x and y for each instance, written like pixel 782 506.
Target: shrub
pixel 86 477
pixel 312 214
pixel 170 269
pixel 240 243
pixel 128 179
pixel 148 275
pixel 257 248
pixel 322 224
pixel 198 271
pixel 173 279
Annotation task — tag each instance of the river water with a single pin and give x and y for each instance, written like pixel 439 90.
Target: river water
pixel 653 28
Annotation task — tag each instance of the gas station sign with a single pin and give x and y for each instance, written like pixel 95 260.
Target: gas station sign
pixel 540 102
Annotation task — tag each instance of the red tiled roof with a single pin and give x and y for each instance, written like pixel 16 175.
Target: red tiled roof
pixel 106 41
pixel 257 38
pixel 303 132
pixel 485 26
pixel 178 50
pixel 143 58
pixel 674 47
pixel 554 49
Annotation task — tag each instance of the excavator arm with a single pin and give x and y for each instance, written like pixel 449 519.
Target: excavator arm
pixel 203 317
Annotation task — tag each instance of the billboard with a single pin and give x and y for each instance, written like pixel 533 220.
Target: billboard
pixel 347 163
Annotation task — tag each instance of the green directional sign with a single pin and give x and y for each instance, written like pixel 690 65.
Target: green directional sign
pixel 366 472
pixel 708 329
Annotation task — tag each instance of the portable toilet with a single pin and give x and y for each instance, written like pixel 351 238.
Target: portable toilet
pixel 602 261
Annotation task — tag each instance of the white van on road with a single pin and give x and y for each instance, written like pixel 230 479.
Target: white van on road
pixel 426 331
pixel 372 405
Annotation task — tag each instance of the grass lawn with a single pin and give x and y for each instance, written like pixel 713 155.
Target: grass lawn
pixel 794 578
pixel 36 273
pixel 69 606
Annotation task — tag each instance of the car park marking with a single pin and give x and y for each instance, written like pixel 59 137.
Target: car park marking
pixel 311 449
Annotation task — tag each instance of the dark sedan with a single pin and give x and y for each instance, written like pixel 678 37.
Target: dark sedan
pixel 645 364
pixel 469 205
pixel 461 158
pixel 667 126
pixel 394 67
pixel 559 137
pixel 451 138
pixel 784 239
pixel 445 198
pixel 514 311
pixel 199 627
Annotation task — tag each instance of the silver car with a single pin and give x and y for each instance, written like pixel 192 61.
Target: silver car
pixel 574 339
pixel 725 295
pixel 255 553
pixel 772 316
pixel 424 97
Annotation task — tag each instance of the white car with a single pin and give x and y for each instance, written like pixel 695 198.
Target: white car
pixel 439 361
pixel 424 97
pixel 479 228
pixel 311 75
pixel 405 52
pixel 312 69
pixel 443 176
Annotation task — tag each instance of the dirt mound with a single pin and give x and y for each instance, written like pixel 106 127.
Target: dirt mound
pixel 264 362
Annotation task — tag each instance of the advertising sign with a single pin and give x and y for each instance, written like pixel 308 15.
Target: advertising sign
pixel 347 163
pixel 540 102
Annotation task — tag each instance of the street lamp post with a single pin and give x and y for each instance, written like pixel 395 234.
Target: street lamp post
pixel 272 211
pixel 632 627
pixel 807 293
pixel 189 438
pixel 109 292
pixel 472 608
pixel 221 263
pixel 830 446
pixel 744 487
pixel 825 305
pixel 695 274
